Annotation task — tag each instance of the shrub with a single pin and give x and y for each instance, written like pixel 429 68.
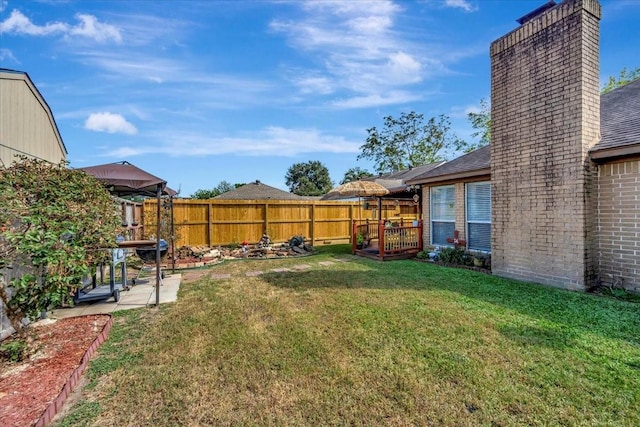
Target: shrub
pixel 455 256
pixel 14 351
pixel 422 255
pixel 54 220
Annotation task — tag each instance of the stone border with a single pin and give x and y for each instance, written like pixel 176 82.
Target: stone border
pixel 55 406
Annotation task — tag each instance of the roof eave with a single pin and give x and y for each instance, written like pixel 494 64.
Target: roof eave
pixel 453 176
pixel 606 154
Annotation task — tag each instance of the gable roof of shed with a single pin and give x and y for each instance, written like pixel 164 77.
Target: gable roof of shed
pixel 258 191
pixel 9 74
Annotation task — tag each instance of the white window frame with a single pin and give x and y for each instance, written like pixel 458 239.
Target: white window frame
pixel 475 218
pixel 433 219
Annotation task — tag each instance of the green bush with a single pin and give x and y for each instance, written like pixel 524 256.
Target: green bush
pixel 54 223
pixel 455 256
pixel 422 255
pixel 13 351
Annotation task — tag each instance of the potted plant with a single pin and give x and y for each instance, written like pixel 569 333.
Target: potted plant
pixel 359 240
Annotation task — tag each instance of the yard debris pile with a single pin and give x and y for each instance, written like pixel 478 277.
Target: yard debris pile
pixel 199 256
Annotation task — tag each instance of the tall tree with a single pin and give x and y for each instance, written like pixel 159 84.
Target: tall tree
pixel 624 78
pixel 408 141
pixel 308 179
pixel 355 174
pixel 222 187
pixel 481 122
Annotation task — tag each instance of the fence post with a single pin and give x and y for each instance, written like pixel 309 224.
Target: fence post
pixel 354 233
pixel 381 229
pixel 266 219
pixel 313 223
pixel 209 225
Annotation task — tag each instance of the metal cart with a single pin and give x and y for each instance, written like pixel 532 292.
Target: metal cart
pixel 95 292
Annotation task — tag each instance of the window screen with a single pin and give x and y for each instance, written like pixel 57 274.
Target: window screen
pixel 443 214
pixel 479 216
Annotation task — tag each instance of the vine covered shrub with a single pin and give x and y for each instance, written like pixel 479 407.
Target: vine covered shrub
pixel 53 220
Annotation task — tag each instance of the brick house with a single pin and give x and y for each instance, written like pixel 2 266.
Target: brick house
pixel 554 197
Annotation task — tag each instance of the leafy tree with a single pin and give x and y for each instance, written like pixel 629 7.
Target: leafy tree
pixel 53 222
pixel 308 179
pixel 624 78
pixel 407 142
pixel 222 187
pixel 355 174
pixel 481 122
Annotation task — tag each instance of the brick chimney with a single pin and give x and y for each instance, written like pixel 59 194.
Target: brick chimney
pixel 545 111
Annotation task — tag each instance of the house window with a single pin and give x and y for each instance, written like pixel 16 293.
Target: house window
pixel 443 214
pixel 479 216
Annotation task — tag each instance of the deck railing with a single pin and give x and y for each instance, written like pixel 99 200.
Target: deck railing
pixel 392 238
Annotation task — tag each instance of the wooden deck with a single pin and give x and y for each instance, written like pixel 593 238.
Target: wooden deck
pixel 385 243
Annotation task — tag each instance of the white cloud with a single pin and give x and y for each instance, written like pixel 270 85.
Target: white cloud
pixel 270 141
pixel 3 5
pixel 88 27
pixel 19 24
pixel 462 4
pixel 110 123
pixel 318 85
pixel 404 67
pixel 373 100
pixel 359 49
pixel 7 55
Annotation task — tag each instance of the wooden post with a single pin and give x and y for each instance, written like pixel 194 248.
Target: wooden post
pixel 354 232
pixel 158 273
pixel 266 219
pixel 313 223
pixel 351 222
pixel 210 225
pixel 381 239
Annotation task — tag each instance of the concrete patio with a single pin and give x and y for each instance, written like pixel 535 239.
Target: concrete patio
pixel 142 294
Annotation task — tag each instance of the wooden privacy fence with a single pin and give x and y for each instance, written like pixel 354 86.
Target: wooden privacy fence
pixel 227 222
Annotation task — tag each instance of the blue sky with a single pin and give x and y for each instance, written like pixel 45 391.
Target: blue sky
pixel 198 92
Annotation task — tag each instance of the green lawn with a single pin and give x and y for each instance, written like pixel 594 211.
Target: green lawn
pixel 367 343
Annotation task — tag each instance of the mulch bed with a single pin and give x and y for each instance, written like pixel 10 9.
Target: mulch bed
pixel 33 391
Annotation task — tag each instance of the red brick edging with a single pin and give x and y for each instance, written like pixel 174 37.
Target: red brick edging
pixel 55 406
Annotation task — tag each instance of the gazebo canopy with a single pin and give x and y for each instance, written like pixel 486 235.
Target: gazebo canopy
pixel 125 179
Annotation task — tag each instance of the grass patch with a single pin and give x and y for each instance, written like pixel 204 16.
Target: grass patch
pixel 369 343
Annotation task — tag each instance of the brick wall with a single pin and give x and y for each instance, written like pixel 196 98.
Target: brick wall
pixel 545 109
pixel 426 215
pixel 619 224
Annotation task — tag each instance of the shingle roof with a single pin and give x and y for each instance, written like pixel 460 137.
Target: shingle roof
pixel 398 179
pixel 620 118
pixel 619 128
pixel 468 164
pixel 258 191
